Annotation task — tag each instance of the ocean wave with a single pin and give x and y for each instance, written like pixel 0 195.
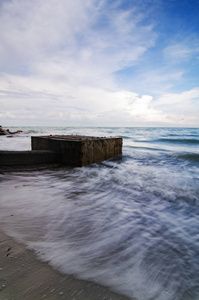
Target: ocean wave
pixel 182 141
pixel 132 228
pixel 130 223
pixel 124 137
pixel 146 148
pixel 193 157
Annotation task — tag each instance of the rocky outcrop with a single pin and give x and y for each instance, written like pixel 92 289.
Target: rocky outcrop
pixel 7 131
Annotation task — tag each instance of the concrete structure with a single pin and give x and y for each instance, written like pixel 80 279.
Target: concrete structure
pixel 70 150
pixel 14 158
pixel 78 151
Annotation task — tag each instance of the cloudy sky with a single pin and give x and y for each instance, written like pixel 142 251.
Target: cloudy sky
pixel 99 62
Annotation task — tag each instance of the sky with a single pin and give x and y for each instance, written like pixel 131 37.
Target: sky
pixel 99 63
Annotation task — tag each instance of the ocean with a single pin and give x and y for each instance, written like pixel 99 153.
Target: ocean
pixel 130 223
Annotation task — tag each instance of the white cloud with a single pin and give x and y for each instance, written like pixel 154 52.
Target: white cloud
pixel 58 57
pixel 57 63
pixel 71 33
pixel 76 105
pixel 184 97
pixel 62 104
pixel 182 106
pixel 158 81
pixel 182 51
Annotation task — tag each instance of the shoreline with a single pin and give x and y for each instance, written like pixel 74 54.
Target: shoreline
pixel 24 276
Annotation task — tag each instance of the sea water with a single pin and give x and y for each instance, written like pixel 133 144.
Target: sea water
pixel 130 223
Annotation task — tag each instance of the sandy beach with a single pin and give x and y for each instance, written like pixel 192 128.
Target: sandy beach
pixel 23 276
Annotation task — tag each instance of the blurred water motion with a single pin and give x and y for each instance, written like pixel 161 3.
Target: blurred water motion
pixel 130 223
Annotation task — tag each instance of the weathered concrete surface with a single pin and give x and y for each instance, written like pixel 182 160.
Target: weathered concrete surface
pixel 8 158
pixel 79 150
pixel 75 151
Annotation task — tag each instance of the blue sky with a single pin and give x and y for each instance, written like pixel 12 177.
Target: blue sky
pixel 99 63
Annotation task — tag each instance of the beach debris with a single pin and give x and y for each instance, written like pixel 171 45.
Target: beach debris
pixel 8 251
pixel 3 286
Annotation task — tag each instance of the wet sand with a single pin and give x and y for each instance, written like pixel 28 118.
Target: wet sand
pixel 23 276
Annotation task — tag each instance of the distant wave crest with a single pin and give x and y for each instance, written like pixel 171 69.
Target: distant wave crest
pixel 183 141
pixel 190 156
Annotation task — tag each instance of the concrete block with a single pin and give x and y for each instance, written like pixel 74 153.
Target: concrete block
pixel 79 150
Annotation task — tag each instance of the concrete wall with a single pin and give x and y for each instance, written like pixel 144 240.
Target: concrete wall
pixel 8 158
